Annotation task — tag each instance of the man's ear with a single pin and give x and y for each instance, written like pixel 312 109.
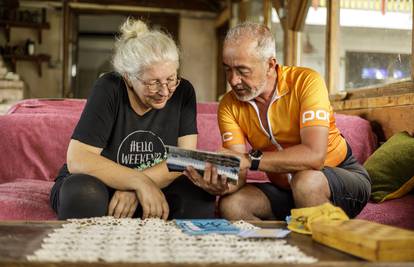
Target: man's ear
pixel 271 64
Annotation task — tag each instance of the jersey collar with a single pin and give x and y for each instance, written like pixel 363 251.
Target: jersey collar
pixel 282 87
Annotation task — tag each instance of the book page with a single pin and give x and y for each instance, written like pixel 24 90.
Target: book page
pixel 178 159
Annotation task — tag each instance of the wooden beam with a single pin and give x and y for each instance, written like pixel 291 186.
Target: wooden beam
pixel 296 14
pixel 65 32
pixel 290 47
pixel 292 17
pixel 397 88
pixel 332 47
pixel 412 46
pixel 267 13
pixel 223 17
pixel 123 9
pixel 194 5
pixel 281 12
pixel 243 10
pixel 374 102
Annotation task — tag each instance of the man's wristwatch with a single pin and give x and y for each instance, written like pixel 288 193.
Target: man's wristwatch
pixel 255 157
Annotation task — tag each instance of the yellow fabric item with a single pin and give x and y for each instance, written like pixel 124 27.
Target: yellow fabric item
pixel 301 219
pixel 402 191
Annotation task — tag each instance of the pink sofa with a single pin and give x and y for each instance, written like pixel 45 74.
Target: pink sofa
pixel 35 134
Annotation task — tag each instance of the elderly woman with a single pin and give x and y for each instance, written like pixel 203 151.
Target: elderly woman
pixel 115 159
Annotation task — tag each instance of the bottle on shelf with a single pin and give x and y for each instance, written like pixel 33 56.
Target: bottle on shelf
pixel 30 47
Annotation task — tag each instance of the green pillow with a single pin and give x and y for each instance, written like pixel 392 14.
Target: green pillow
pixel 391 167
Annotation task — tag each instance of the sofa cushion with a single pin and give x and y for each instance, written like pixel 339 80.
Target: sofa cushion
pixel 26 199
pixel 33 146
pixel 209 137
pixel 391 167
pixel 359 135
pixel 75 106
pixel 56 106
pixel 207 107
pixel 396 212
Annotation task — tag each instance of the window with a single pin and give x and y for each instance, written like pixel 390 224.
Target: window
pixel 375 42
pixel 313 40
pixel 365 68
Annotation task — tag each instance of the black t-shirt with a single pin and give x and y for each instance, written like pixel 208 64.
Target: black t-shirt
pixel 109 122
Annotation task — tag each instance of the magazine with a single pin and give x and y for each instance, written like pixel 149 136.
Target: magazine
pixel 178 159
pixel 207 226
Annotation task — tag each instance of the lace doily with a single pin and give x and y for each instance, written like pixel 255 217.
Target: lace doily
pixel 107 239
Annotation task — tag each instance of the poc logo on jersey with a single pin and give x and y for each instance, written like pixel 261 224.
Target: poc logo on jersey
pixel 311 115
pixel 227 136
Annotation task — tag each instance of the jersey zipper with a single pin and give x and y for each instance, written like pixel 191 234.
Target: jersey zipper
pixel 270 133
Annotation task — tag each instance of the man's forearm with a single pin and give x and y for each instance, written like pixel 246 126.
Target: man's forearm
pixel 292 159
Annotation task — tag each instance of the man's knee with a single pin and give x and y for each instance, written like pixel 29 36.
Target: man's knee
pixel 309 181
pixel 231 207
pixel 82 196
pixel 249 203
pixel 310 187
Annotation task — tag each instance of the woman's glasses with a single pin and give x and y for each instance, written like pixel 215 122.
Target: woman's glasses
pixel 156 86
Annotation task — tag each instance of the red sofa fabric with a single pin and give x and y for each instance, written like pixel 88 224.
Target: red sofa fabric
pixel 26 199
pixel 33 146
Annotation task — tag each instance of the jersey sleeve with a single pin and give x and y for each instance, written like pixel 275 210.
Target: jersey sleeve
pixel 230 131
pixel 314 101
pixel 97 119
pixel 188 122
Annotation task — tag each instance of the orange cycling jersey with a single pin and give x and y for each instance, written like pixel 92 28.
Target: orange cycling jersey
pixel 301 100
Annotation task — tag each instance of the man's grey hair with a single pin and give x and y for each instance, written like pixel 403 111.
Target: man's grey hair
pixel 265 43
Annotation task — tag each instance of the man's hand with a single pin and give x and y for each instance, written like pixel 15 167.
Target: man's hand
pixel 152 199
pixel 123 204
pixel 211 182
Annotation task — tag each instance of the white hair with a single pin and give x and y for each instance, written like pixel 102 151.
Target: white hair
pixel 265 43
pixel 138 47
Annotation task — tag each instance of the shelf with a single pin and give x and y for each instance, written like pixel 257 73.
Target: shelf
pixel 7 24
pixel 37 59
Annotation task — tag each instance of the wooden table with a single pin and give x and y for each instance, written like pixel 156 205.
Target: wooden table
pixel 21 238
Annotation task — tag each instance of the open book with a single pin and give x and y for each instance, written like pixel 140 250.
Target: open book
pixel 178 159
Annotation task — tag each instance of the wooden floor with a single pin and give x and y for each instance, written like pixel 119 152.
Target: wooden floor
pixel 19 238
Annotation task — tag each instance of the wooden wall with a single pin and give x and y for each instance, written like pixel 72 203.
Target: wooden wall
pixel 394 112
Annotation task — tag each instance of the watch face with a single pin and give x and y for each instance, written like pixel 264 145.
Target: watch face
pixel 255 153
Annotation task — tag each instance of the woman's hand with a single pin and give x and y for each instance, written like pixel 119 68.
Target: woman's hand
pixel 123 204
pixel 211 182
pixel 152 199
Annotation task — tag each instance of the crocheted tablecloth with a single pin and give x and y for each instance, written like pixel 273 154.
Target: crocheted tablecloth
pixel 108 239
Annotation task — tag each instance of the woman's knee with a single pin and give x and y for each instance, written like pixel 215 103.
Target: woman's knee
pixel 188 201
pixel 82 196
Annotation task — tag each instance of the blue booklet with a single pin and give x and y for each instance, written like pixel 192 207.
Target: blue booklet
pixel 207 226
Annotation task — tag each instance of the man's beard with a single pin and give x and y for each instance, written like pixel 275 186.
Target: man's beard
pixel 252 93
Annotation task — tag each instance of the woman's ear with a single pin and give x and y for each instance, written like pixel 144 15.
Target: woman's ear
pixel 127 80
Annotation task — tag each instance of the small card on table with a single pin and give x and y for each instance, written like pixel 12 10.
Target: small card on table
pixel 264 233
